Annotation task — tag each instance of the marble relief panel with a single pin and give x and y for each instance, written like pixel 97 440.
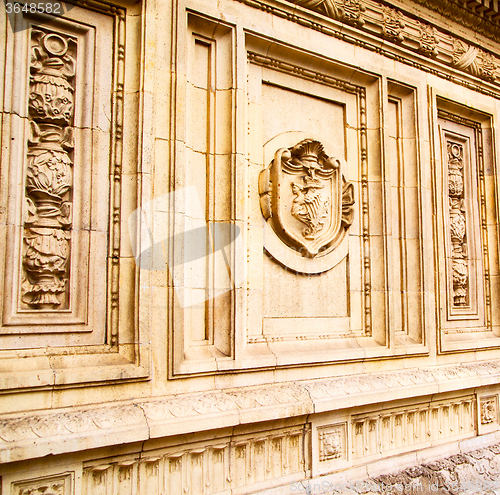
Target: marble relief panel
pixel 63 251
pixel 302 194
pixel 466 226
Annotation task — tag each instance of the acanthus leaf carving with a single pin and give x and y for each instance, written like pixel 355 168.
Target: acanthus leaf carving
pixel 394 25
pixel 428 41
pixel 351 12
pixel 49 172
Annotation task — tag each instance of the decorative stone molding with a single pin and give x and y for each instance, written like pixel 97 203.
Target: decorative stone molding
pixel 30 435
pixel 396 26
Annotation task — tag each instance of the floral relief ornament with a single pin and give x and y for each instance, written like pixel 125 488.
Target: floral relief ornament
pixel 393 25
pixel 330 445
pixel 488 410
pixel 428 41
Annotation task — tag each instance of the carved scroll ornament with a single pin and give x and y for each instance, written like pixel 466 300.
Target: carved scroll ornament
pixel 49 174
pixel 475 61
pixel 306 199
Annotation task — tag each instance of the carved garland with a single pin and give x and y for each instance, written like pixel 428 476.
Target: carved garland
pixel 49 175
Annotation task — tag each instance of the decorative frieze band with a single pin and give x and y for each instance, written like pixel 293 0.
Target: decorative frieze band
pixel 206 468
pixel 33 435
pixel 393 25
pixel 412 427
pixel 396 27
pixel 211 468
pixel 483 16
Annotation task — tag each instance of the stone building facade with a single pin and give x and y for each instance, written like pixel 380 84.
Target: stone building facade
pixel 250 246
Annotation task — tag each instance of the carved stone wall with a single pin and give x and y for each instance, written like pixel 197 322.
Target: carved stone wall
pixel 63 164
pixel 248 244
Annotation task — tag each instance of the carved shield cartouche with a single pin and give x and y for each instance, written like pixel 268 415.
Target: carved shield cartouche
pixel 305 198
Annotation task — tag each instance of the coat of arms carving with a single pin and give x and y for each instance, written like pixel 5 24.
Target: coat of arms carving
pixel 306 199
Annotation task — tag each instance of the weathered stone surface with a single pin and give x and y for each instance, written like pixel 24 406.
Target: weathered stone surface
pixel 249 246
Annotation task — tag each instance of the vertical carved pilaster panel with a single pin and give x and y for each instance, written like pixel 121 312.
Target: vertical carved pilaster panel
pixel 458 231
pixel 49 175
pixel 468 225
